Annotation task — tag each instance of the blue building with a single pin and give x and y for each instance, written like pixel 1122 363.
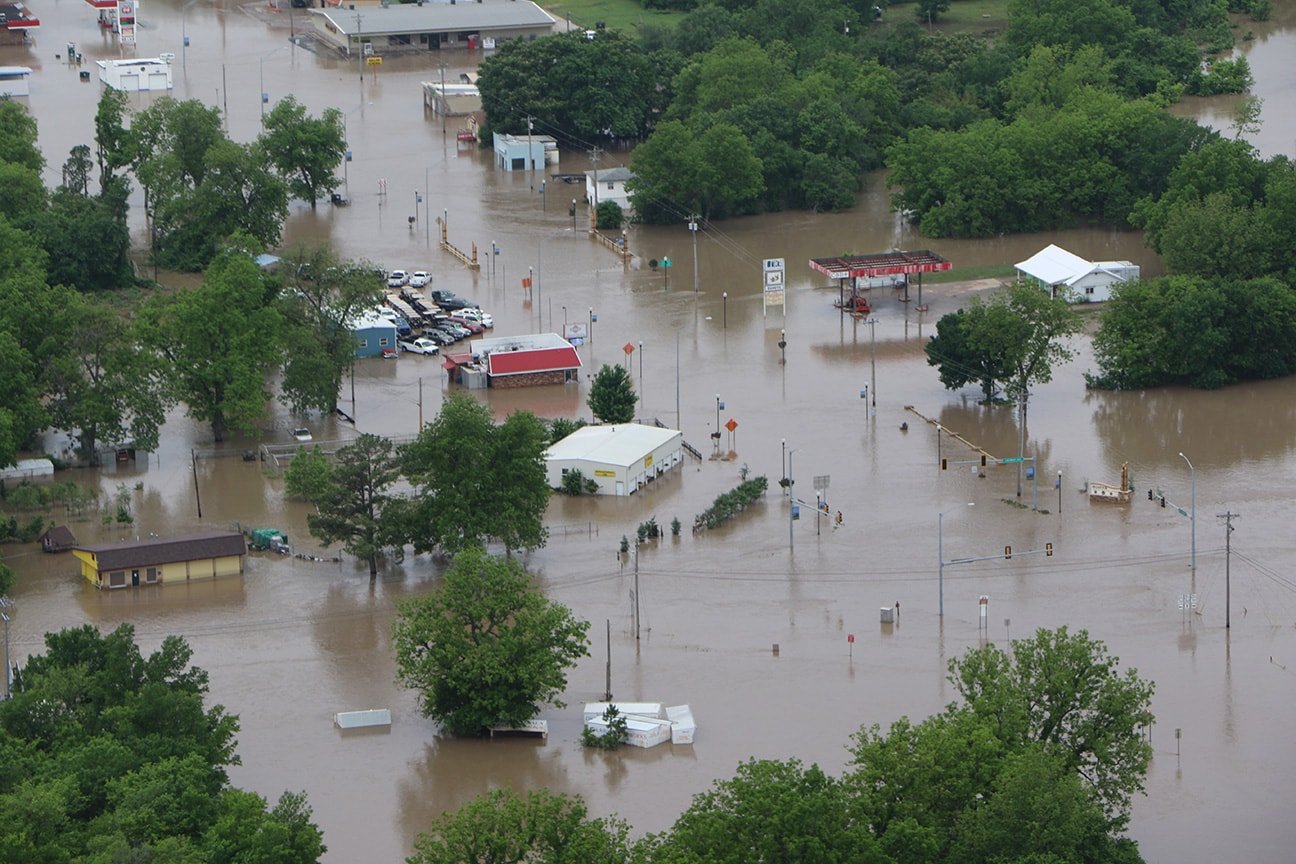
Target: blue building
pixel 511 151
pixel 374 334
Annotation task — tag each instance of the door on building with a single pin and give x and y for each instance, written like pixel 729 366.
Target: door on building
pixel 620 487
pixel 519 165
pixel 135 578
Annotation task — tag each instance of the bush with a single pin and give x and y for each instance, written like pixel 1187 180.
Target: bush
pixel 615 735
pixel 731 503
pixel 609 216
pixel 29 496
pixel 574 482
pixel 675 526
pixel 648 530
pixel 561 427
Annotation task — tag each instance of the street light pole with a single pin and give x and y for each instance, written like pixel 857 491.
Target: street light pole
pixel 791 502
pixel 940 552
pixel 1192 472
pixel 783 464
pixel 693 228
pixel 1059 493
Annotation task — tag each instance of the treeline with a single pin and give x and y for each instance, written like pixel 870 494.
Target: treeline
pixel 1224 227
pixel 757 105
pixel 1048 736
pixel 110 756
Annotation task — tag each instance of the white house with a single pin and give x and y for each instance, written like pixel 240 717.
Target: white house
pixel 1057 270
pixel 608 185
pixel 147 73
pixel 620 457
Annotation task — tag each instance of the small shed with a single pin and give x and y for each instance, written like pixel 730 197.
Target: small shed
pixel 515 361
pixel 13 81
pixel 146 73
pixel 452 100
pixel 157 560
pixel 511 152
pixel 620 457
pixel 27 469
pixel 57 538
pixel 374 334
pixel 1065 274
pixel 608 185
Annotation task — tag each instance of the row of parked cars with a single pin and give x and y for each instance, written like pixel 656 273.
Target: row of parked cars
pixel 432 320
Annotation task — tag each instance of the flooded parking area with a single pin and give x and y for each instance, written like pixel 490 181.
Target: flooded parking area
pixel 292 642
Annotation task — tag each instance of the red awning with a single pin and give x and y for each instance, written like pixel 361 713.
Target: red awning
pixel 536 360
pixel 884 264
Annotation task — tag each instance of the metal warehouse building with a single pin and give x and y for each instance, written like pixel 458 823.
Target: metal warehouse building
pixel 622 457
pixel 431 25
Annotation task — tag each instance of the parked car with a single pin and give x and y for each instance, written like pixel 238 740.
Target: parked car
pixel 397 279
pixel 421 345
pixel 420 279
pixel 449 301
pixel 338 199
pixel 456 330
pixel 302 434
pixel 473 327
pixel 472 313
pixel 441 337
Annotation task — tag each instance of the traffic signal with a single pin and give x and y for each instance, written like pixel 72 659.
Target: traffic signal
pixel 983 460
pixel 1162 500
pixel 1151 497
pixel 1007 552
pixel 944 464
pixel 1048 550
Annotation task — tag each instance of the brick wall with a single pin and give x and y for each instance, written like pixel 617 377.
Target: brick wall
pixel 529 379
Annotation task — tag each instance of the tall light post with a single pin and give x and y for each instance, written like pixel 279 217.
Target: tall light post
pixel 872 322
pixel 264 96
pixel 641 384
pixel 1192 473
pixel 693 229
pixel 783 464
pixel 791 502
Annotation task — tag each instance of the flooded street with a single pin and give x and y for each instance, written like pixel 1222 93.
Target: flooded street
pixel 294 642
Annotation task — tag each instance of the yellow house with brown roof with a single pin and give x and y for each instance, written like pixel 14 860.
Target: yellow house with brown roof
pixel 158 560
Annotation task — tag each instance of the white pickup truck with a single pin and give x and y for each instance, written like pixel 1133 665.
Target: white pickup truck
pixel 422 345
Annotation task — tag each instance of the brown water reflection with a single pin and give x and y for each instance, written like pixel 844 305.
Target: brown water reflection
pixel 292 642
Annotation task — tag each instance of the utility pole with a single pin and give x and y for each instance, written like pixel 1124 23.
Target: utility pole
pixel 607 694
pixel 1021 442
pixel 595 154
pixel 1228 517
pixel 420 426
pixel 872 322
pixel 530 159
pixel 443 98
pixel 792 503
pixel 693 229
pixel 636 577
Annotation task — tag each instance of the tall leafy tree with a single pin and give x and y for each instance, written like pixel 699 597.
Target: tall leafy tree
pixel 22 409
pixel 960 359
pixel 356 506
pixel 306 151
pixel 322 297
pixel 105 385
pixel 1065 692
pixel 18 142
pixel 612 396
pixel 88 246
pixel 477 481
pixel 485 647
pixel 511 828
pixel 221 340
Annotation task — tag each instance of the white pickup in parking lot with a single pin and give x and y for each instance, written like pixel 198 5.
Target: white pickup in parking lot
pixel 421 345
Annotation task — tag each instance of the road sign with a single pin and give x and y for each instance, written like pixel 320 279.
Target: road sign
pixel 821 482
pixel 628 348
pixel 1010 460
pixel 666 262
pixel 731 425
pixel 374 61
pixel 773 264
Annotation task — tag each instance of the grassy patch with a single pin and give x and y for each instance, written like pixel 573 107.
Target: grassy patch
pixel 967 274
pixel 964 16
pixel 616 14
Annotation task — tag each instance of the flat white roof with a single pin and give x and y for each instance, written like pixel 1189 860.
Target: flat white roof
pixel 437 17
pixel 526 342
pixel 620 444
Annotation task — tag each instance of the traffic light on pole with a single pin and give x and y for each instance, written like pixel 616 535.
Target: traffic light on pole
pixel 1048 550
pixel 944 464
pixel 1007 552
pixel 983 460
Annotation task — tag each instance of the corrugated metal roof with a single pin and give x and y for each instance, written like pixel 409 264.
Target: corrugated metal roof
pixel 608 175
pixel 539 360
pixel 167 550
pixel 437 17
pixel 621 444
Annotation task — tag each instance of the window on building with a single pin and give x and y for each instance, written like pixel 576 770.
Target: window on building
pixel 1089 289
pixel 364 343
pixel 151 575
pixel 611 184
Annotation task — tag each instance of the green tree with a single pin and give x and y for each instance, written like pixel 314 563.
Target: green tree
pixel 22 194
pixel 612 397
pixel 309 475
pixel 504 827
pixel 609 216
pixel 114 144
pixel 22 409
pixel 770 811
pixel 305 150
pixel 105 385
pixel 221 341
pixel 357 508
pixel 485 647
pixel 931 10
pixel 18 136
pixel 6 580
pixel 88 246
pixel 959 362
pixel 1064 692
pixel 322 296
pixel 476 481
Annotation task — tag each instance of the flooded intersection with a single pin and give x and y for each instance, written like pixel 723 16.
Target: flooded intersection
pixel 293 642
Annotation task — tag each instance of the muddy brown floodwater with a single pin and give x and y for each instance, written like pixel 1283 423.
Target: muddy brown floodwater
pixel 293 642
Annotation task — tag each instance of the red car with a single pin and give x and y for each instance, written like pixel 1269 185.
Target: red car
pixel 473 327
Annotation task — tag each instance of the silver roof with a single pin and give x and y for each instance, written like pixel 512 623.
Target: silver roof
pixel 437 17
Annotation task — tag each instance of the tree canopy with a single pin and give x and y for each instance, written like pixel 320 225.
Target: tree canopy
pixel 485 647
pixel 612 398
pixel 306 151
pixel 111 756
pixel 355 505
pixel 476 481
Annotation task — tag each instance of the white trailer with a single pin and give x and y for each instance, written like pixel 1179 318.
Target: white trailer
pixel 149 73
